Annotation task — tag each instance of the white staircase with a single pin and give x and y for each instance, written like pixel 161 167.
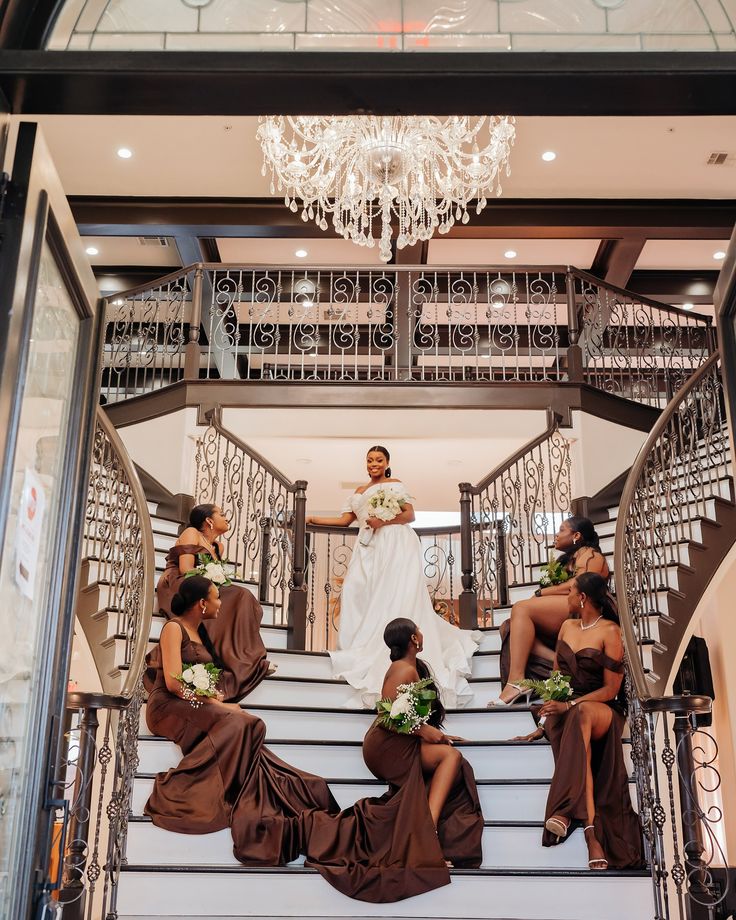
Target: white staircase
pixel 174 875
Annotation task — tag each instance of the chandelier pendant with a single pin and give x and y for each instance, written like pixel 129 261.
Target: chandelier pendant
pixel 415 173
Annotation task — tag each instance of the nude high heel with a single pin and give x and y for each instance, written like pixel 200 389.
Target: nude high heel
pixel 601 863
pixel 520 691
pixel 558 826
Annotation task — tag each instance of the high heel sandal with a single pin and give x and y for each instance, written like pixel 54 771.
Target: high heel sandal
pixel 558 826
pixel 520 691
pixel 601 862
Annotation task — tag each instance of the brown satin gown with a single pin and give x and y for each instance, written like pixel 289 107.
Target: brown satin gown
pixel 235 635
pixel 616 823
pixel 537 667
pixel 386 849
pixel 226 777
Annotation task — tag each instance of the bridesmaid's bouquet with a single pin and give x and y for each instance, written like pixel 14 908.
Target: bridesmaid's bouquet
pixel 553 573
pixel 556 687
pixel 410 710
pixel 199 680
pixel 219 571
pixel 384 504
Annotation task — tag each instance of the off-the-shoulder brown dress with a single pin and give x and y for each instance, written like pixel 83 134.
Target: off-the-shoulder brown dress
pixel 226 777
pixel 616 824
pixel 234 637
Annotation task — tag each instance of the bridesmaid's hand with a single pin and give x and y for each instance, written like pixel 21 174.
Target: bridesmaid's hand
pixel 375 522
pixel 553 708
pixel 433 735
pixel 533 736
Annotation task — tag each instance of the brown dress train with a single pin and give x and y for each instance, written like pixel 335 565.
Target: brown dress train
pixel 234 637
pixel 386 849
pixel 616 823
pixel 226 777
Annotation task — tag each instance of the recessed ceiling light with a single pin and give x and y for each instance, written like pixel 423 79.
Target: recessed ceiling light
pixel 301 253
pixel 688 306
pixel 510 254
pixel 719 255
pixel 125 153
pixel 92 251
pixel 303 460
pixel 549 155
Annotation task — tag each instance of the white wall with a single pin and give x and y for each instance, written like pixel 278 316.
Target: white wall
pixel 601 452
pixel 165 448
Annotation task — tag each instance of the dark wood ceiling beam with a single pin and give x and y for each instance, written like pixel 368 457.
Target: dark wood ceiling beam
pixel 535 218
pixel 259 83
pixel 675 286
pixel 616 259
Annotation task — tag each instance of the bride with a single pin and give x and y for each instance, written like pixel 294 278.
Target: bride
pixel 385 580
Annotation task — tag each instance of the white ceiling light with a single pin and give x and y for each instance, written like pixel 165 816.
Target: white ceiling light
pixel 688 306
pixel 364 170
pixel 92 251
pixel 301 253
pixel 125 153
pixel 549 155
pixel 719 255
pixel 510 254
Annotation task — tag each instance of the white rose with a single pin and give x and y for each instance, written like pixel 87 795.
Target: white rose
pixel 215 573
pixel 400 706
pixel 187 676
pixel 201 682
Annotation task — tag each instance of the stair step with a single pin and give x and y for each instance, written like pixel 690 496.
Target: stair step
pixel 493 895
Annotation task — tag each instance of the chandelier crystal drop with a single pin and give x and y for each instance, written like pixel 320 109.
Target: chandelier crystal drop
pixel 422 172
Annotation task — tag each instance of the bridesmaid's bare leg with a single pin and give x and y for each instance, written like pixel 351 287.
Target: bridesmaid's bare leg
pixel 442 761
pixel 538 614
pixel 595 720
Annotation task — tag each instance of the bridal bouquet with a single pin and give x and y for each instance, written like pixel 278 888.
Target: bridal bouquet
pixel 199 680
pixel 384 504
pixel 553 573
pixel 556 687
pixel 410 710
pixel 219 571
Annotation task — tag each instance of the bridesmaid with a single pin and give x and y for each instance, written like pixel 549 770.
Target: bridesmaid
pixel 226 777
pixel 590 785
pixel 234 638
pixel 403 843
pixel 529 636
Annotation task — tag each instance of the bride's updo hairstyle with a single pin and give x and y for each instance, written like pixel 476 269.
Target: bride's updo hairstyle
pixel 595 588
pixel 387 455
pixel 192 590
pixel 199 514
pixel 397 636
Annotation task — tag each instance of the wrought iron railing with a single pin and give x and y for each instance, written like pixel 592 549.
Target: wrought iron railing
pixel 508 520
pixel 329 551
pixel 681 474
pixel 95 779
pixel 267 519
pixel 405 324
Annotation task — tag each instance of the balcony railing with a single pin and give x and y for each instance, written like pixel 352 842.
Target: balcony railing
pixel 398 324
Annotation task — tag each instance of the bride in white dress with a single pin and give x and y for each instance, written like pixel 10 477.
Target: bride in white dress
pixel 385 579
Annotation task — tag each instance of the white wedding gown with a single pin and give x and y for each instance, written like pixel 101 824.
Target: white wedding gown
pixel 385 580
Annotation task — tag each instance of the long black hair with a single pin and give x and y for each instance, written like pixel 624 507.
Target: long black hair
pixel 397 636
pixel 386 454
pixel 595 588
pixel 588 536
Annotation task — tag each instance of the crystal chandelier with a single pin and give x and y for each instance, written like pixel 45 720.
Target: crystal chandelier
pixel 421 171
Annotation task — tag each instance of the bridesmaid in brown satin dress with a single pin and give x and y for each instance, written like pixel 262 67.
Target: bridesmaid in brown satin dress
pixel 590 787
pixel 403 843
pixel 234 638
pixel 226 777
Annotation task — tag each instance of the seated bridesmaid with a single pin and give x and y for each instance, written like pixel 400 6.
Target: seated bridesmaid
pixel 403 843
pixel 234 638
pixel 590 786
pixel 528 637
pixel 226 777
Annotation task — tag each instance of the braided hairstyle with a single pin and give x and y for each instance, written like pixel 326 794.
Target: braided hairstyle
pixel 397 636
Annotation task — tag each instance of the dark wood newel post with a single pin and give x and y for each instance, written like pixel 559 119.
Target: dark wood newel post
pixel 469 596
pixel 297 636
pixel 193 350
pixel 574 351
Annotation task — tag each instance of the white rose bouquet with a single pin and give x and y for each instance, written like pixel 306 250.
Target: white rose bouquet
pixel 384 504
pixel 219 571
pixel 199 680
pixel 410 710
pixel 556 687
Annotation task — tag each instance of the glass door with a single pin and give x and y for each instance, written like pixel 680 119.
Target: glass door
pixel 48 369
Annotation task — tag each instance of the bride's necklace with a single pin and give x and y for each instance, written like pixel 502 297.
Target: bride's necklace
pixel 591 625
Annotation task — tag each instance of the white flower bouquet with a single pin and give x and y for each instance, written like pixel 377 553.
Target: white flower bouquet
pixel 553 573
pixel 556 687
pixel 384 504
pixel 219 571
pixel 199 680
pixel 410 710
